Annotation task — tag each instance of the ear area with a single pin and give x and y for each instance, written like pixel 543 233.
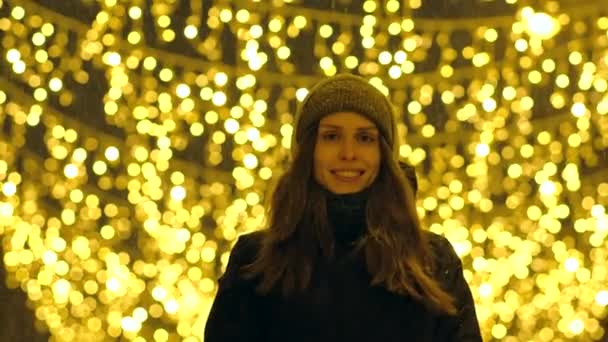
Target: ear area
pixel 410 174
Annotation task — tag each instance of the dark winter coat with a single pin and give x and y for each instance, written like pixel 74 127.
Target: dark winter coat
pixel 340 306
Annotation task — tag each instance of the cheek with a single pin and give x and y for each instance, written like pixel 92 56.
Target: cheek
pixel 373 162
pixel 317 171
pixel 374 172
pixel 318 166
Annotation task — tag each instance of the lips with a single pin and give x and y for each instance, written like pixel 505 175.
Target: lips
pixel 347 175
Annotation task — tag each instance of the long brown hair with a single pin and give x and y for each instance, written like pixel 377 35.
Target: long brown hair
pixel 299 235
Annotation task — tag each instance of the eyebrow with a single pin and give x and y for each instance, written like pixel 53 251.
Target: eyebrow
pixel 367 128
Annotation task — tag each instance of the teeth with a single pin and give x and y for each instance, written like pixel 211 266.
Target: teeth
pixel 347 173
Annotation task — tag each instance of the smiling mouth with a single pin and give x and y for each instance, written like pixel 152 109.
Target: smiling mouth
pixel 347 175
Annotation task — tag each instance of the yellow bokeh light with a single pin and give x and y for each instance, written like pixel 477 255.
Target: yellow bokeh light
pixel 178 193
pixel 489 104
pixel 446 71
pixel 219 98
pixel 61 290
pixel 571 265
pixel 171 306
pixel 482 150
pixel 71 171
pixel 112 153
pixel 575 58
pixel 18 12
pixel 208 254
pixel 225 15
pixel 150 63
pixel 231 126
pixel 6 210
pixel 300 21
pixel 499 331
pixel 256 31
pixel 135 12
pixel 540 24
pixel 490 35
pixel 576 326
pixel 197 129
pixel 220 79
pixel 243 16
pixel 9 189
pixel 203 140
pixel 55 84
pixel 578 109
pixel 161 335
pixel 47 29
pixel 250 161
pixel 130 325
pixel 165 75
pixel 547 188
pixel 49 257
pixel 602 298
pixel 190 31
pixel 182 90
pixel 38 39
pixel 13 55
pixel 275 24
pixel 100 167
pixel 385 57
pixel 548 65
pixel 107 232
pixel 485 290
pixel 369 6
pixel 392 6
pixel 407 25
pixel 325 31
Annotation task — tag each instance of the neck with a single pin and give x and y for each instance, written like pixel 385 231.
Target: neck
pixel 346 214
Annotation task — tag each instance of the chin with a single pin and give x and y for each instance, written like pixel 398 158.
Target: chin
pixel 343 190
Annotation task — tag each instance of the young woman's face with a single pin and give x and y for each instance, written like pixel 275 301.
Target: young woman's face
pixel 347 152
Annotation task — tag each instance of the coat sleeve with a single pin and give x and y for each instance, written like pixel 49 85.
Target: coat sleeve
pixel 235 315
pixel 463 327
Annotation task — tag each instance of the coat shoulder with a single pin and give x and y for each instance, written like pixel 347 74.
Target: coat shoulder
pixel 443 253
pixel 440 245
pixel 252 239
pixel 448 271
pixel 247 247
pixel 243 253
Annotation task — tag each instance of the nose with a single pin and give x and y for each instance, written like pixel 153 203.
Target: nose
pixel 347 149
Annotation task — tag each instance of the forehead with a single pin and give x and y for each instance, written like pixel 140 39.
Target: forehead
pixel 347 120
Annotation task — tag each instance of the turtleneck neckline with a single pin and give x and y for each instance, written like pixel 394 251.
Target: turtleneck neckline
pixel 346 214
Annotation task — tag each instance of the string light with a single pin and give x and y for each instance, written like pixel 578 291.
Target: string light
pixel 510 147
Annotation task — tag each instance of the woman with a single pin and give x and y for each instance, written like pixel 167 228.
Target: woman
pixel 344 257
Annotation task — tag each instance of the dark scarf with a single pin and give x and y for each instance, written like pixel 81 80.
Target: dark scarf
pixel 346 214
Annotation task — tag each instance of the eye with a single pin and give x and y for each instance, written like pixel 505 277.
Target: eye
pixel 367 138
pixel 329 136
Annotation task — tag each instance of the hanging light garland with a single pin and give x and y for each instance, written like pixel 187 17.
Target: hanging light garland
pixel 139 142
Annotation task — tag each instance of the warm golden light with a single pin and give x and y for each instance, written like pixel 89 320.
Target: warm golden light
pixel 131 160
pixel 540 24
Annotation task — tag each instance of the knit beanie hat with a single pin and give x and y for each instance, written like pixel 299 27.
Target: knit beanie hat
pixel 346 93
